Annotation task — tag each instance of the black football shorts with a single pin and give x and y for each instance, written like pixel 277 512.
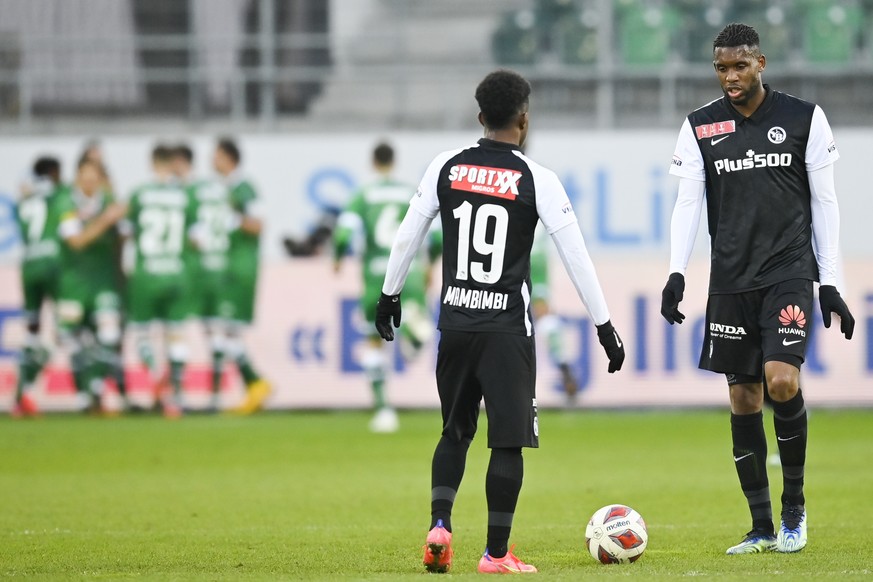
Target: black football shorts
pixel 499 367
pixel 744 330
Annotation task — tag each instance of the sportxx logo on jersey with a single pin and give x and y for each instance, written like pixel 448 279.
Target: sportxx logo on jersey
pixel 714 129
pixel 497 182
pixel 793 319
pixel 753 160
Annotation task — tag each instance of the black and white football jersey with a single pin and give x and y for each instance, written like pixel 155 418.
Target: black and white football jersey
pixel 757 189
pixel 490 197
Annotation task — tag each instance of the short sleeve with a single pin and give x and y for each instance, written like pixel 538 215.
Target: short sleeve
pixel 242 197
pixel 356 206
pixel 687 160
pixel 193 206
pixel 69 223
pixel 821 150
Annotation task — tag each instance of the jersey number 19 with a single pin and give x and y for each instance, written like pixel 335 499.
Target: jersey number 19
pixel 475 230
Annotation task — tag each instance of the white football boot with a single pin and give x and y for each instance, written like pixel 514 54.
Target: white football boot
pixel 755 542
pixel 792 532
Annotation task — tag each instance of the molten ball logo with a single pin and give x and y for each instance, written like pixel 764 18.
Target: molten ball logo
pixel 792 314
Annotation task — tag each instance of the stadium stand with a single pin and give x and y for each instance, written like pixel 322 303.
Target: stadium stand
pixel 407 63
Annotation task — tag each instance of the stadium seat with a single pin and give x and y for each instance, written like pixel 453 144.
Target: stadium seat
pixel 646 29
pixel 515 40
pixel 831 31
pixel 576 38
pixel 775 21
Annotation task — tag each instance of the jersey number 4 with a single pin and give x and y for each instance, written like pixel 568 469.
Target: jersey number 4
pixel 474 231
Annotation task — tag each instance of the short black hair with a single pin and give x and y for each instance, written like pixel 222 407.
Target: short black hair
pixel 183 151
pixel 737 34
pixel 502 95
pixel 47 167
pixel 383 154
pixel 162 153
pixel 229 147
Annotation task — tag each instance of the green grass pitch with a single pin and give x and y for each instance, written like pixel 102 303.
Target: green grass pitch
pixel 315 496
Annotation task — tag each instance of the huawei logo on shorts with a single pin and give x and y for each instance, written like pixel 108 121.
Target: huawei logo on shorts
pixel 792 314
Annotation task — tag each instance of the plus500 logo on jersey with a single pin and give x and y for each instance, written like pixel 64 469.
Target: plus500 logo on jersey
pixel 497 182
pixel 753 160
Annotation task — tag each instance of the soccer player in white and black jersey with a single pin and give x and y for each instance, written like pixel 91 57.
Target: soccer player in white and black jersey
pixel 763 162
pixel 490 198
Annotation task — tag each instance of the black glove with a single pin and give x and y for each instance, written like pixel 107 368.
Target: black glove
pixel 387 309
pixel 672 294
pixel 830 301
pixel 612 344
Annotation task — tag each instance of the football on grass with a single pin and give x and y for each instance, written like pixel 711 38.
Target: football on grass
pixel 616 534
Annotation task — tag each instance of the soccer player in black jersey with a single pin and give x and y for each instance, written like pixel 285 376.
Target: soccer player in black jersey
pixel 490 197
pixel 763 162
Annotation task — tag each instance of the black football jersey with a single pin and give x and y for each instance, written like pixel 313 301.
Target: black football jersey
pixel 757 189
pixel 490 197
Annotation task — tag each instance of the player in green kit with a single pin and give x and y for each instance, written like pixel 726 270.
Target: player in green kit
pixel 38 225
pixel 160 215
pixel 237 305
pixel 548 323
pixel 208 269
pixel 375 212
pixel 89 298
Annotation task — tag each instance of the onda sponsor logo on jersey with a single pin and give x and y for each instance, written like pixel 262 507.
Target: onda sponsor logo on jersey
pixel 713 129
pixel 721 330
pixel 753 160
pixel 475 298
pixel 498 182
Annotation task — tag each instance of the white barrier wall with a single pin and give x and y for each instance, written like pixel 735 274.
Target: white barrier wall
pixel 617 180
pixel 306 338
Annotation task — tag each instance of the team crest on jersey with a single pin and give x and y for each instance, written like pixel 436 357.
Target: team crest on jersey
pixel 498 182
pixel 776 135
pixel 712 129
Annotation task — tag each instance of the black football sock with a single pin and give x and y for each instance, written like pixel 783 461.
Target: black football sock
pixel 447 470
pixel 109 356
pixel 79 368
pixel 245 368
pixel 177 371
pixel 502 485
pixel 750 459
pixel 790 421
pixel 28 369
pixel 217 370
